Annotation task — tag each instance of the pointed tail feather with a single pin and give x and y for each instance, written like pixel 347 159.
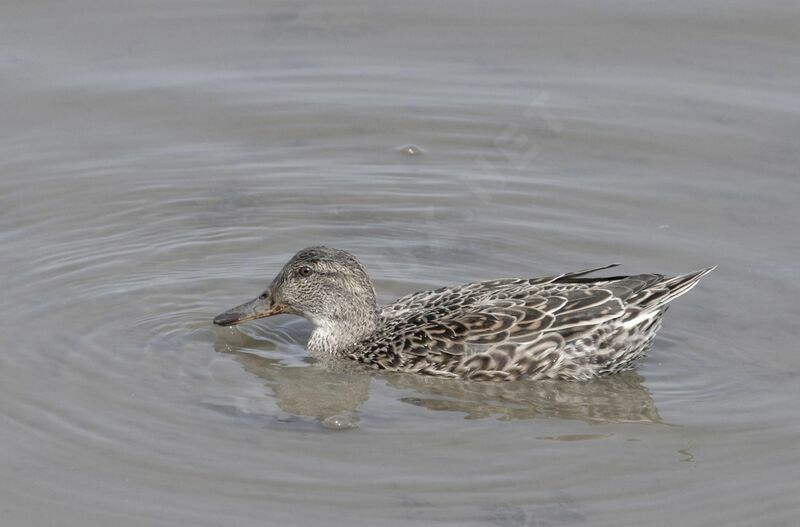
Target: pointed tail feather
pixel 668 290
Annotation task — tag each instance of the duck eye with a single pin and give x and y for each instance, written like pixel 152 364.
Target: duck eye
pixel 304 271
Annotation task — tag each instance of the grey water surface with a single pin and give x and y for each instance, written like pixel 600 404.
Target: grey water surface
pixel 160 160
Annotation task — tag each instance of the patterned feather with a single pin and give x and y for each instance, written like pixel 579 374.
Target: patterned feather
pixel 561 327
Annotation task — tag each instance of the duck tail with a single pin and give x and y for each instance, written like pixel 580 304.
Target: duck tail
pixel 668 290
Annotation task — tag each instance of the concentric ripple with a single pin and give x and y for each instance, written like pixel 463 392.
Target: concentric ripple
pixel 160 166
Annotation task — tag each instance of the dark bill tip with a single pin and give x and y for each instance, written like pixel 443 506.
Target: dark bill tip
pixel 227 318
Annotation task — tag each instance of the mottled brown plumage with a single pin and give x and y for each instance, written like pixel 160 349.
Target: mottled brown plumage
pixel 567 326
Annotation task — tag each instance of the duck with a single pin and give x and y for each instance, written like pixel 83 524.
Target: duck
pixel 568 326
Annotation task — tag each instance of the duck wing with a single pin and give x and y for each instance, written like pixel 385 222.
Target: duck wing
pixel 473 292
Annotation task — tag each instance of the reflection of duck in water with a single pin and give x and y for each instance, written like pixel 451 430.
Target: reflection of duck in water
pixel 560 327
pixel 337 389
pixel 621 398
pixel 307 391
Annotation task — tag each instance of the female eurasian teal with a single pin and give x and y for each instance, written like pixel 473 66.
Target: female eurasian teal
pixel 560 327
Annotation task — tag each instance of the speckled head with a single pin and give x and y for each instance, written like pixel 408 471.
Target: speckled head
pixel 320 283
pixel 327 286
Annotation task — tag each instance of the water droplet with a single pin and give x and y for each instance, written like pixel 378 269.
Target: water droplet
pixel 410 150
pixel 339 422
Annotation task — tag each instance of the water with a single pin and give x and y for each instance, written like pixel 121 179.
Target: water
pixel 160 161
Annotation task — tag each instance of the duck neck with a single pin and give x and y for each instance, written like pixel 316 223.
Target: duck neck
pixel 333 336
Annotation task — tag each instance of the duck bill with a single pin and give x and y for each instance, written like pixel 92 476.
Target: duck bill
pixel 256 308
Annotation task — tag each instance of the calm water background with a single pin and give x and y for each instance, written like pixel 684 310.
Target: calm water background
pixel 159 161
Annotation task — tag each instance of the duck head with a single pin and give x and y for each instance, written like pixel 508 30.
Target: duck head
pixel 329 287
